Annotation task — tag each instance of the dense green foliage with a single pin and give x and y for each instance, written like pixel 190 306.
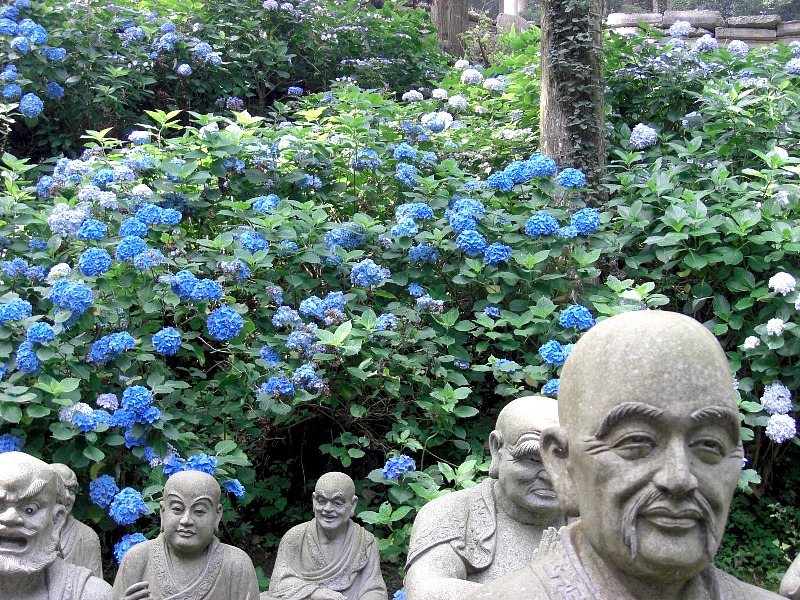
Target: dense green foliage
pixel 701 217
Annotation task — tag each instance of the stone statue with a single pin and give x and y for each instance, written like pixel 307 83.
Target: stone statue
pixel 790 585
pixel 648 452
pixel 186 561
pixel 31 519
pixel 330 557
pixel 79 544
pixel 465 539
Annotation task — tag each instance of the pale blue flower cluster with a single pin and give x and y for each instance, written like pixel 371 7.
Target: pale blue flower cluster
pixel 496 253
pixel 781 428
pixel 423 253
pixel 571 178
pixel 128 541
pixel 777 399
pixel 10 443
pixel 15 310
pixel 127 506
pixel 167 341
pixel 235 487
pixel 102 490
pixel 643 137
pixel 224 324
pixel 551 387
pixel 367 274
pixel 397 465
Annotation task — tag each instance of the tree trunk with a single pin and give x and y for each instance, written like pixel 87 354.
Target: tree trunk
pixel 450 19
pixel 572 103
pixel 658 6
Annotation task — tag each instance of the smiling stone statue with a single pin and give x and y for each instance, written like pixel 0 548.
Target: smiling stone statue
pixel 186 561
pixel 648 452
pixel 31 519
pixel 330 557
pixel 465 539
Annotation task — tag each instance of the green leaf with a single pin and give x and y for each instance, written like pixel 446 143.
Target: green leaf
pixel 11 412
pixel 357 410
pixel 225 447
pixel 94 454
pixel 465 411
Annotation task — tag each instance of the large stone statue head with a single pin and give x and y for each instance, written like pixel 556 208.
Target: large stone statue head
pixel 190 512
pixel 70 485
pixel 30 516
pixel 648 450
pixel 524 488
pixel 334 501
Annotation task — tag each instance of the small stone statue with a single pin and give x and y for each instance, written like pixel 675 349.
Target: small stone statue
pixel 31 519
pixel 331 557
pixel 465 539
pixel 648 452
pixel 186 561
pixel 79 544
pixel 790 585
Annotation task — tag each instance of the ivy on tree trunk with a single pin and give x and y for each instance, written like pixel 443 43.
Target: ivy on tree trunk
pixel 572 103
pixel 450 19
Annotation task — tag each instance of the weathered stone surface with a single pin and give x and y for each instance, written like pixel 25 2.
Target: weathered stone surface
pixel 653 503
pixel 755 21
pixel 626 30
pixel 470 537
pixel 790 28
pixel 789 39
pixel 329 557
pixel 186 560
pixel 746 34
pixel 631 19
pixel 707 19
pixel 30 566
pixel 506 21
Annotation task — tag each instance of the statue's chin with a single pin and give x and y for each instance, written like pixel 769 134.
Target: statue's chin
pixel 30 564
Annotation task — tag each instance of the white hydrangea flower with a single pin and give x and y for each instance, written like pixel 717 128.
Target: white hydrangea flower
pixel 471 77
pixel 462 63
pixel 439 94
pixel 782 283
pixel 58 271
pixel 751 342
pixel 782 197
pixel 412 96
pixel 492 84
pixel 775 326
pixel 457 102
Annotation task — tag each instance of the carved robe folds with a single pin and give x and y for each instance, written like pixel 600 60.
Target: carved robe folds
pixel 81 546
pixel 228 575
pixel 301 568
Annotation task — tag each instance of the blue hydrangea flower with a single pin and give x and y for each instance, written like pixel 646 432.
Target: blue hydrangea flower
pixel 541 223
pixel 397 465
pixel 706 43
pixel 21 45
pixel 500 181
pixel 138 138
pixel 386 322
pixel 426 302
pixel 94 261
pixel 54 91
pixel 365 159
pixel 643 137
pixel 92 229
pixel 130 246
pixel 270 355
pixel 108 401
pixel 102 491
pixel 586 221
pixel 777 399
pixel 305 377
pixel 236 267
pixel 302 338
pixel 366 273
pixel 128 541
pixel 286 317
pixel 137 399
pixel 492 311
pixel 8 26
pixel 399 595
pixel 551 387
pixel 312 306
pixel 405 173
pixel 295 91
pixel 680 29
pixel 576 316
pixel 167 341
pixel 405 152
pixel 781 428
pixel 127 506
pixel 27 361
pixel 75 296
pixel 404 227
pixel 541 165
pixel 518 171
pixel 496 253
pixel 280 386
pixel 15 310
pixel 349 236
pixel 205 289
pixel 172 465
pixel 461 222
pixel 150 258
pixel 471 243
pixel 553 353
pixel 30 105
pixel 10 443
pixel 571 178
pixel 234 486
pixel 40 333
pixel 57 54
pixel 253 241
pixel 275 293
pixel 15 267
pixel 266 203
pixel 12 91
pixel 184 70
pixel 201 462
pixel 423 254
pixel 413 210
pixel 224 324
pixel 150 213
pixel 415 290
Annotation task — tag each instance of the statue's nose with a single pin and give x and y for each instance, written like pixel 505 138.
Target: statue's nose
pixel 10 516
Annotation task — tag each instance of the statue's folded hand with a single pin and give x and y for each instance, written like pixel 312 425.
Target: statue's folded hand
pixel 138 591
pixel 326 594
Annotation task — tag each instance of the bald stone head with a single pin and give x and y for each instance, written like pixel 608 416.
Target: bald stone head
pixel 190 513
pixel 334 502
pixel 527 416
pixel 69 491
pixel 648 451
pixel 336 482
pixel 30 515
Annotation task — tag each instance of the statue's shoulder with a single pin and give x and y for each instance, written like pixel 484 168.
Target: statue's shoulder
pixel 739 590
pixel 516 585
pixel 455 503
pixel 97 589
pixel 140 553
pixel 235 554
pixel 295 534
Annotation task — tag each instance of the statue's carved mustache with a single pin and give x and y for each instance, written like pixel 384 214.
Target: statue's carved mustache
pixel 692 506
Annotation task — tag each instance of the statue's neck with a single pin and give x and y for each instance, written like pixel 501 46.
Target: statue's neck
pixel 543 518
pixel 613 584
pixel 24 587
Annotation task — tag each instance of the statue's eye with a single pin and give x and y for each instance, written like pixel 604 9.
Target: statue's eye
pixel 200 513
pixel 635 445
pixel 30 509
pixel 709 449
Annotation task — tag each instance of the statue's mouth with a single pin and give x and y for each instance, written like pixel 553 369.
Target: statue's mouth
pixel 16 544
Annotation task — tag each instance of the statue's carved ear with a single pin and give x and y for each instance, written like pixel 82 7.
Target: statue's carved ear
pixel 555 456
pixel 495 443
pixel 353 505
pixel 59 518
pixel 219 517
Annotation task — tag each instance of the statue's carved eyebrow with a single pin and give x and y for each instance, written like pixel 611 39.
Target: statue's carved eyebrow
pixel 33 490
pixel 624 411
pixel 336 496
pixel 729 418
